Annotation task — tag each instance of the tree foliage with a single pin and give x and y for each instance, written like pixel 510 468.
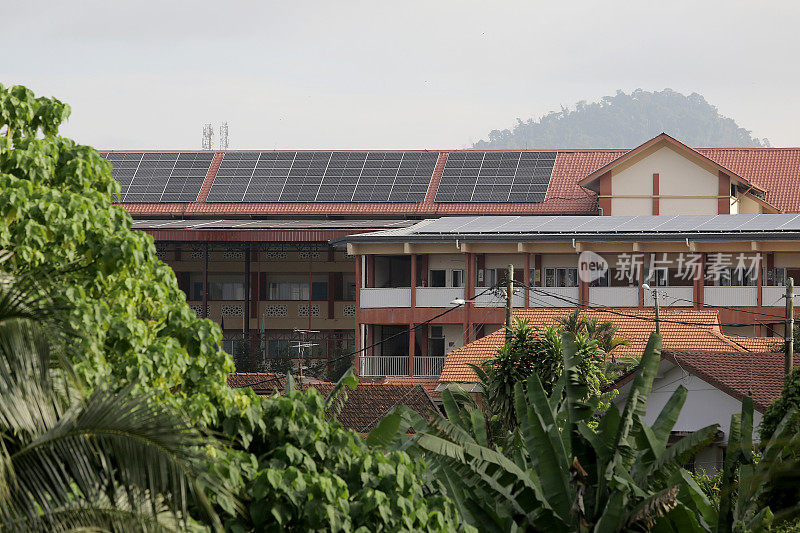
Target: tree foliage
pixel 625 121
pixel 132 329
pixel 560 474
pixel 108 460
pixel 533 350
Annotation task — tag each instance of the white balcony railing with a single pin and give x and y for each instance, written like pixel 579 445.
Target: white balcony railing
pixel 438 296
pixel 670 297
pixel 614 296
pixel 497 298
pixel 731 296
pixel 384 365
pixel 774 296
pixel 428 365
pixel 554 297
pixel 374 298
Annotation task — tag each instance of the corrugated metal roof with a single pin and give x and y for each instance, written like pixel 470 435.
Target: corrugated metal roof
pixel 561 228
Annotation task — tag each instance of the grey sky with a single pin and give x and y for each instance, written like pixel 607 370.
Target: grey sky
pixel 433 74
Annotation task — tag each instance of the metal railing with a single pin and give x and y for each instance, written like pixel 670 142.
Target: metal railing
pixel 428 365
pixel 562 297
pixel 384 365
pixel 438 296
pixel 378 298
pixel 731 296
pixel 614 296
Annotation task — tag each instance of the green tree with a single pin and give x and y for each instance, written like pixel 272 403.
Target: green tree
pixel 111 460
pixel 533 350
pixel 314 475
pixel 132 327
pixel 560 474
pixel 624 121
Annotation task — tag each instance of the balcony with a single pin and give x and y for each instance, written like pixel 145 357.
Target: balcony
pixel 497 298
pixel 384 365
pixel 775 296
pixel 554 297
pixel 438 296
pixel 428 365
pixel 670 297
pixel 731 296
pixel 614 296
pixel 382 298
pixel 397 365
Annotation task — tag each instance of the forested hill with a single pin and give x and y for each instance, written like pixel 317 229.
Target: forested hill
pixel 625 121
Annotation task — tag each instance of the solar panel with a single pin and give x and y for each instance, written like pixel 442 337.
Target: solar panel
pixel 323 177
pixel 496 177
pixel 159 176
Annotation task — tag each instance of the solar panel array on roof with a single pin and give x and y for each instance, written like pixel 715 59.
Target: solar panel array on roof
pixel 323 177
pixel 159 176
pixel 732 224
pixel 496 177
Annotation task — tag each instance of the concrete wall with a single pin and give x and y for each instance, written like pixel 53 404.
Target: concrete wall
pixel 678 176
pixel 705 404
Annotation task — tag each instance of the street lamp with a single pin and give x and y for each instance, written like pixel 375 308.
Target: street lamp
pixel 646 287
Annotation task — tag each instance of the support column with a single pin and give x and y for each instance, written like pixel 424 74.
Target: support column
pixel 655 194
pixel 205 280
pixel 332 284
pixel 537 262
pixel 370 271
pixel 700 283
pixel 583 293
pixel 724 194
pixel 246 314
pixel 412 334
pixel 526 280
pixel 358 327
pixel 640 281
pixel 413 284
pixel 759 282
pixel 469 292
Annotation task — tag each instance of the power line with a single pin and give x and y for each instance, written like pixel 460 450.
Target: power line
pixel 413 328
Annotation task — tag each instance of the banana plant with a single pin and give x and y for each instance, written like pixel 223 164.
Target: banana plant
pixel 557 472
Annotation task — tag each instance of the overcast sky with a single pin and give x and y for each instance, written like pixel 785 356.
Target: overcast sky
pixel 428 74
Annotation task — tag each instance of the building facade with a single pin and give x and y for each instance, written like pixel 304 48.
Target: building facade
pixel 272 242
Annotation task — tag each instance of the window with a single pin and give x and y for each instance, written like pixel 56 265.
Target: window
pixel 737 277
pixel 225 290
pixel 438 278
pixel 288 290
pixel 197 290
pixel 319 290
pixel 436 341
pixel 658 277
pixel 561 277
pixel 350 293
pixel 602 281
pixel 490 278
pixel 774 277
pixel 733 190
pixel 458 278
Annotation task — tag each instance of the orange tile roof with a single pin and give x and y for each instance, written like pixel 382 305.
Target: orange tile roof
pixel 759 376
pixel 684 329
pixel 758 344
pixel 428 383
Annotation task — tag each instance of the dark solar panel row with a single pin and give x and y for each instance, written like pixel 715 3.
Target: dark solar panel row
pixel 496 177
pixel 323 177
pixel 159 176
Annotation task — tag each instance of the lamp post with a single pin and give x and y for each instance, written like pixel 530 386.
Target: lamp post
pixel 655 300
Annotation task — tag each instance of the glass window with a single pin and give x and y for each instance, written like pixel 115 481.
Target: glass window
pixel 561 277
pixel 438 278
pixel 458 278
pixel 436 341
pixel 490 278
pixel 602 281
pixel 319 290
pixel 350 293
pixel 225 290
pixel 288 290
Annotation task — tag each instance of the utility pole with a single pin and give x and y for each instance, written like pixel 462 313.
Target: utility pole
pixel 655 301
pixel 789 336
pixel 509 300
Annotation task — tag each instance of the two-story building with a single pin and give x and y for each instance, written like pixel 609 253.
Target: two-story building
pixel 257 239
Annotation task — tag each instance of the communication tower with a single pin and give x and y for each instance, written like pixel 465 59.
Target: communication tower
pixel 223 136
pixel 208 137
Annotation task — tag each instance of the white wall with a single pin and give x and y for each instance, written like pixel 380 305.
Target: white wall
pixel 448 262
pixel 705 404
pixel 559 260
pixel 503 260
pixel 678 176
pixel 453 337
